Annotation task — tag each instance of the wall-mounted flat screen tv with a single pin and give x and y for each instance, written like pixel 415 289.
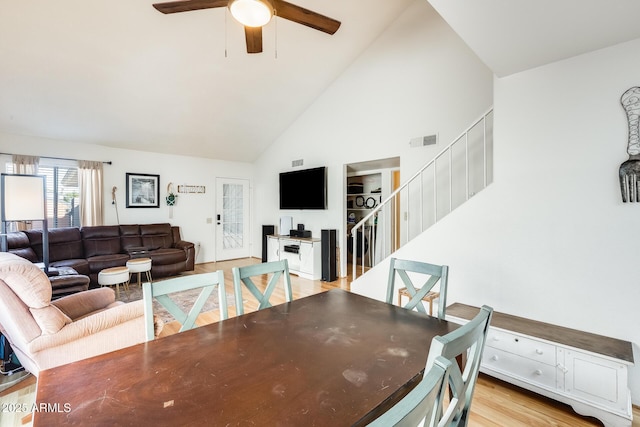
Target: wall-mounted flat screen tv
pixel 304 189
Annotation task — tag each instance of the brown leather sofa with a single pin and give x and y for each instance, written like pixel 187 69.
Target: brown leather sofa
pixel 88 250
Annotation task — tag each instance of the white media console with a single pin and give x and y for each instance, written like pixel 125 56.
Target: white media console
pixel 302 253
pixel 584 370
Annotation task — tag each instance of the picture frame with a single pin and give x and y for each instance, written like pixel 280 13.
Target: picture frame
pixel 143 190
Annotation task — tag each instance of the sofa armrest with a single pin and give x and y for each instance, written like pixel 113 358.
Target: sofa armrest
pixel 82 303
pixel 181 244
pixel 90 325
pixel 189 248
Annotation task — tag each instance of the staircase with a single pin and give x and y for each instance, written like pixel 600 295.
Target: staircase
pixel 453 176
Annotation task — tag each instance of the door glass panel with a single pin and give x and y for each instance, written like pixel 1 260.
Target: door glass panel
pixel 232 215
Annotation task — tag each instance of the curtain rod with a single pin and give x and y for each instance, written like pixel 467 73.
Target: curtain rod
pixel 55 158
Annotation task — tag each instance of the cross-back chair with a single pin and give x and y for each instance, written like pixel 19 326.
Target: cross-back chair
pixel 465 343
pixel 161 291
pixel 421 403
pixel 433 274
pixel 244 275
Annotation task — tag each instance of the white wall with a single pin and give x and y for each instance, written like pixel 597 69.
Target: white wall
pixel 191 210
pixel 417 79
pixel 550 239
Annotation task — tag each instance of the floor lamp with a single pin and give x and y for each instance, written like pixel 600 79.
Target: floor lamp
pixel 24 199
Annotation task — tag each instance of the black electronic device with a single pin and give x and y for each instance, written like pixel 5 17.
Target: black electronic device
pixel 300 233
pixel 304 189
pixel 292 249
pixel 266 231
pixel 328 254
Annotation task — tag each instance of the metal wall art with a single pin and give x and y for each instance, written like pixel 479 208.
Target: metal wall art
pixel 630 170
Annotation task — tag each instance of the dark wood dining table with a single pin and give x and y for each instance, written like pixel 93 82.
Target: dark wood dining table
pixel 330 359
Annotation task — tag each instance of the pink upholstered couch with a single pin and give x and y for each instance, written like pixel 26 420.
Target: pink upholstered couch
pixel 45 334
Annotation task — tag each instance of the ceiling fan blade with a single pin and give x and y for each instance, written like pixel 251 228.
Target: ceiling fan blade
pixel 305 17
pixel 254 39
pixel 187 5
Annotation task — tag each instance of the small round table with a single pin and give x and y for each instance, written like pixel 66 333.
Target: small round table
pixel 115 276
pixel 140 265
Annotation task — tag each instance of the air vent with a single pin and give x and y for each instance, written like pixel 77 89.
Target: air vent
pixel 297 163
pixel 421 141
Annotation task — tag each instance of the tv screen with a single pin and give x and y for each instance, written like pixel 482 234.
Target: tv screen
pixel 304 189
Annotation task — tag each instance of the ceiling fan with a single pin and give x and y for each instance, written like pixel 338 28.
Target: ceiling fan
pixel 253 14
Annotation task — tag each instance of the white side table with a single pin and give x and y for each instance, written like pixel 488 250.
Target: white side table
pixel 140 265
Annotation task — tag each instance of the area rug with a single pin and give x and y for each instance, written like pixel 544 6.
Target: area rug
pixel 184 300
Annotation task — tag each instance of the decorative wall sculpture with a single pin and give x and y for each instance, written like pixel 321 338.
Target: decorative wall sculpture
pixel 630 170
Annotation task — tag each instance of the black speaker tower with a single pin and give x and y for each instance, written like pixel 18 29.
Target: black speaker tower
pixel 266 230
pixel 328 241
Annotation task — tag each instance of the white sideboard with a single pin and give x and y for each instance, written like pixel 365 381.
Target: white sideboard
pixel 302 253
pixel 584 370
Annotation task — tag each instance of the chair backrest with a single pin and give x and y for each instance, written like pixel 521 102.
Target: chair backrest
pixel 243 275
pixel 467 343
pixel 421 403
pixel 161 292
pixel 433 273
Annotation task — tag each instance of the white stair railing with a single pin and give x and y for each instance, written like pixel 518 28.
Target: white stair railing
pixel 458 172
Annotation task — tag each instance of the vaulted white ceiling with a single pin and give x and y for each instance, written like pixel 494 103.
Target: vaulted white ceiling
pixel 121 74
pixel 516 35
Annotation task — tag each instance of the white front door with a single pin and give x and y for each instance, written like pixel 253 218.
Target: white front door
pixel 232 218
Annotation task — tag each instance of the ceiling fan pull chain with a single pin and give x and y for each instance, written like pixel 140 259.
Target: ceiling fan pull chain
pixel 275 14
pixel 225 32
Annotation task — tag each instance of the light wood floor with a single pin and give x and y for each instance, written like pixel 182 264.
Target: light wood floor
pixel 495 403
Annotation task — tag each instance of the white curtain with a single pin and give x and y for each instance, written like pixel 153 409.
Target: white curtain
pixel 23 165
pixel 91 194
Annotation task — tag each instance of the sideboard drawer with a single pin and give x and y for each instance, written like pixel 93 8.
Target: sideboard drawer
pixel 537 350
pixel 501 340
pixel 522 346
pixel 532 371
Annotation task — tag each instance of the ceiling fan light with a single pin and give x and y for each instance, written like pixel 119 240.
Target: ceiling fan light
pixel 251 13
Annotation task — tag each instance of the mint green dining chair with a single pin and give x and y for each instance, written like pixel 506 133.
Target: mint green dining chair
pixel 432 274
pixel 161 291
pixel 244 275
pixel 466 344
pixel 421 403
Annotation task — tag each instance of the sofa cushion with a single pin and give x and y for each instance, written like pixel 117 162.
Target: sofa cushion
pixel 18 243
pixel 101 240
pixel 156 236
pixel 79 265
pixel 130 237
pixel 50 319
pixel 98 263
pixel 167 256
pixel 27 281
pixel 65 243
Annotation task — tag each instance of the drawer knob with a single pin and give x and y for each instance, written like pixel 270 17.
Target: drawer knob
pixel 495 357
pixel 538 372
pixel 538 351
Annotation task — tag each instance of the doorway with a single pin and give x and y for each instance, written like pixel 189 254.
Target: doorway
pixel 367 184
pixel 232 218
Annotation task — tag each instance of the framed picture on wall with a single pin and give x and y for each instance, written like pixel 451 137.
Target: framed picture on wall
pixel 143 190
